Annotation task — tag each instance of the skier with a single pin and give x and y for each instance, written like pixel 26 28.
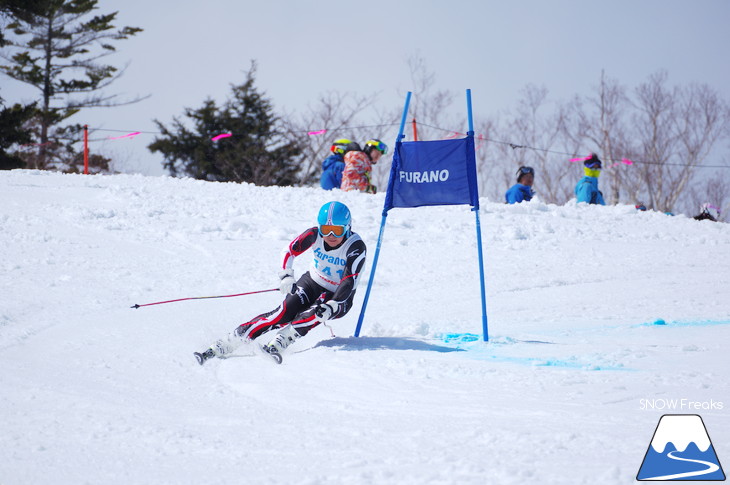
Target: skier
pixel 323 293
pixel 522 190
pixel 587 188
pixel 708 212
pixel 358 165
pixel 333 165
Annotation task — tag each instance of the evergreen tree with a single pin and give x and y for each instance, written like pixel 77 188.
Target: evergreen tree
pixel 257 150
pixel 12 120
pixel 56 46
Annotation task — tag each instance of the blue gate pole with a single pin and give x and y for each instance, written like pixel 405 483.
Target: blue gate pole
pixel 382 227
pixel 485 329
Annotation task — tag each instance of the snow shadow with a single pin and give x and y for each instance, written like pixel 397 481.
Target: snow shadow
pixel 384 343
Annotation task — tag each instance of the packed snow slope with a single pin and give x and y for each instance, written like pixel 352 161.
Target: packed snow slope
pixel 599 319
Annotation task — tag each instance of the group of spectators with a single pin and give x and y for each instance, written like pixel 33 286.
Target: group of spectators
pixel 586 190
pixel 350 166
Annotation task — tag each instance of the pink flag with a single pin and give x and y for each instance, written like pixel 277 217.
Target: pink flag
pixel 222 135
pixel 582 159
pixel 319 132
pixel 128 135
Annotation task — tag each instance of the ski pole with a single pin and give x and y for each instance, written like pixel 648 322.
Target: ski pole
pixel 204 297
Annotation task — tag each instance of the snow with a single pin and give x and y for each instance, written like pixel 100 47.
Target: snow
pixel 599 319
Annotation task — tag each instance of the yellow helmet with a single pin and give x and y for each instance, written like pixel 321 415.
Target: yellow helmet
pixel 339 146
pixel 377 144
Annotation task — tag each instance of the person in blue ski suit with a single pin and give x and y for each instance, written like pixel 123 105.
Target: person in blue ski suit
pixel 522 190
pixel 587 188
pixel 325 292
pixel 333 165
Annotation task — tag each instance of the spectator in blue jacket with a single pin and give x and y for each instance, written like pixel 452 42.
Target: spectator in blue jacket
pixel 333 165
pixel 587 188
pixel 522 190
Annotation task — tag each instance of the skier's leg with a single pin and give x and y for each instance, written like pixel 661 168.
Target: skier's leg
pixel 307 291
pixel 284 337
pixel 248 331
pixel 304 322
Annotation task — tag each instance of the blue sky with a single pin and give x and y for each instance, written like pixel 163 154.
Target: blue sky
pixel 192 50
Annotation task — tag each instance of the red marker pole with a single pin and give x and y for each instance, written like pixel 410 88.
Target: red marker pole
pixel 415 130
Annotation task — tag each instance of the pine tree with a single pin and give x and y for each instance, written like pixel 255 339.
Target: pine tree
pixel 56 46
pixel 257 150
pixel 12 120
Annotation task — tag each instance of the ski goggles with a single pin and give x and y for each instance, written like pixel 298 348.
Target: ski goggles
pixel 525 171
pixel 332 230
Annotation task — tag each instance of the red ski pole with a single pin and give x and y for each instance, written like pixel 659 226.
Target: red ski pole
pixel 204 297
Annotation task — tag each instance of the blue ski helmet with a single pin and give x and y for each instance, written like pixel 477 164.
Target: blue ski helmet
pixel 335 214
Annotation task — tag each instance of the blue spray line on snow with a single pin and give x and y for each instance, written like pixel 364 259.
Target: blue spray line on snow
pixel 692 323
pixel 470 343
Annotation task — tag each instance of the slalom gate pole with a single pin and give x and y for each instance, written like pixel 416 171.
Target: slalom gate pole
pixel 485 330
pixel 382 225
pixel 204 298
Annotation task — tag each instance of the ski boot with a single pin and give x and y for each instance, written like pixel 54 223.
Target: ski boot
pixel 284 338
pixel 225 345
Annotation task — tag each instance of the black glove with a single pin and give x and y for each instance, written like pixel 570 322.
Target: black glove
pixel 325 311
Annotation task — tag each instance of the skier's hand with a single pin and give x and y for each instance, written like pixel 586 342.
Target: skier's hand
pixel 324 311
pixel 288 283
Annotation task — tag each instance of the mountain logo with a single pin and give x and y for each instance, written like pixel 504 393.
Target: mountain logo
pixel 681 450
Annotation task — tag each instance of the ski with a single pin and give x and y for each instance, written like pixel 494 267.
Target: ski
pixel 268 351
pixel 201 357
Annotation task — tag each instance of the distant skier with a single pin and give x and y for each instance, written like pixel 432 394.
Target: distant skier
pixel 358 166
pixel 522 190
pixel 587 188
pixel 333 165
pixel 708 212
pixel 323 293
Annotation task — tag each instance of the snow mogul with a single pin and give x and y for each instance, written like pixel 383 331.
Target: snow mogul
pixel 325 292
